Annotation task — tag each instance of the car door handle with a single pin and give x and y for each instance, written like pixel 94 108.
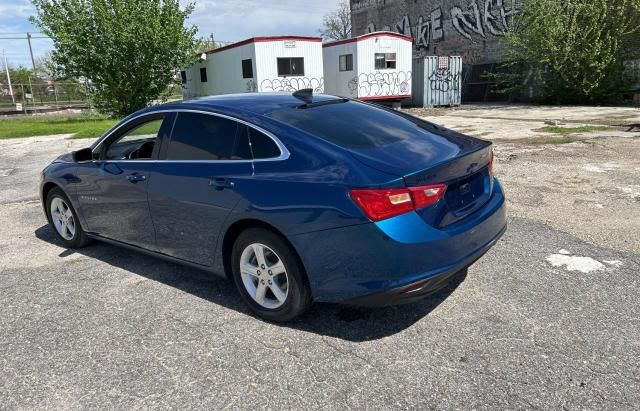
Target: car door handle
pixel 135 177
pixel 220 183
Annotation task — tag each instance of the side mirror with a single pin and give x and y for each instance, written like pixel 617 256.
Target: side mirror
pixel 83 155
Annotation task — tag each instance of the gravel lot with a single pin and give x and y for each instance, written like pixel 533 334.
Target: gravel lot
pixel 549 318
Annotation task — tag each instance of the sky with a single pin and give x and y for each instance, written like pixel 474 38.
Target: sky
pixel 227 20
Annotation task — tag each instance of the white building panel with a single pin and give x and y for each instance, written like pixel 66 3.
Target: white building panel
pixel 337 79
pixel 267 55
pixel 300 60
pixel 381 67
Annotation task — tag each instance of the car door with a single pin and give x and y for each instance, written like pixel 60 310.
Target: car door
pixel 113 190
pixel 197 183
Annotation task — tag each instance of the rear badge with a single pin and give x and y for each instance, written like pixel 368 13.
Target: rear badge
pixel 465 188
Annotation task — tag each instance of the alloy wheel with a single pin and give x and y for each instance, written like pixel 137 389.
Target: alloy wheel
pixel 264 276
pixel 62 218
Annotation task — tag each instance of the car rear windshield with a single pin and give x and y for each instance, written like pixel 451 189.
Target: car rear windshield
pixel 350 124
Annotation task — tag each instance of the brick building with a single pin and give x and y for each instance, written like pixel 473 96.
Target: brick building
pixel 471 29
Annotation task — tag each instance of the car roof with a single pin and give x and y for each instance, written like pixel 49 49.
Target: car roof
pixel 255 103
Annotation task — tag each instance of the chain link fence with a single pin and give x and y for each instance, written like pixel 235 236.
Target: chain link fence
pixel 52 96
pixel 42 96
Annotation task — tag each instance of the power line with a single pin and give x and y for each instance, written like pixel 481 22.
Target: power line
pixel 24 38
pixel 20 32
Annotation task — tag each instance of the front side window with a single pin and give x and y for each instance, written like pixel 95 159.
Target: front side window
pixel 247 68
pixel 199 136
pixel 136 144
pixel 385 61
pixel 290 66
pixel 345 62
pixel 203 74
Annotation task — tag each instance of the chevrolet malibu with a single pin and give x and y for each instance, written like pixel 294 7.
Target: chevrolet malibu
pixel 297 198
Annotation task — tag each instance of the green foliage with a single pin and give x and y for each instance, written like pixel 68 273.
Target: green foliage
pixel 128 51
pixel 80 126
pixel 570 51
pixel 205 44
pixel 21 75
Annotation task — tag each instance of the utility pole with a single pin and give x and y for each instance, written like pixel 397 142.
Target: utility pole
pixel 33 99
pixel 33 62
pixel 6 68
pixel 24 102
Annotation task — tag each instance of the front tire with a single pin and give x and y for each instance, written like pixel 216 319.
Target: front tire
pixel 269 276
pixel 64 220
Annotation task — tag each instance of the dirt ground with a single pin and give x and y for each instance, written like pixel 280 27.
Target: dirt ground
pixel 547 319
pixel 586 184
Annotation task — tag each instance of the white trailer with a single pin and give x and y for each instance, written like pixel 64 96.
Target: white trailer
pixel 258 64
pixel 437 81
pixel 374 66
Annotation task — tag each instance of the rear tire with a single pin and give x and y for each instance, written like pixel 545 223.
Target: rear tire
pixel 64 220
pixel 269 276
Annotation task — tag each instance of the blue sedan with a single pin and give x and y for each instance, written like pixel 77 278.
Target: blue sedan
pixel 297 198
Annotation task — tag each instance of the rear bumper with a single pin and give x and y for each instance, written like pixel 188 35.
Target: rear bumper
pixel 422 288
pixel 380 261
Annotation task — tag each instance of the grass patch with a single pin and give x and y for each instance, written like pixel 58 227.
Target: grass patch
pixel 572 130
pixel 80 126
pixel 542 140
pixel 554 140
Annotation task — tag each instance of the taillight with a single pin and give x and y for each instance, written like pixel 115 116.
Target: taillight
pixel 379 204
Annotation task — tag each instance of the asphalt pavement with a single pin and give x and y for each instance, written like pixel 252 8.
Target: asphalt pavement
pixel 544 320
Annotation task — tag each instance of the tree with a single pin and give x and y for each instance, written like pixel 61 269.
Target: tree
pixel 206 44
pixel 127 50
pixel 47 69
pixel 337 23
pixel 21 75
pixel 571 51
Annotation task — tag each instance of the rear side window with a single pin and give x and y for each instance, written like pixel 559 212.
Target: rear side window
pixel 262 146
pixel 350 124
pixel 204 137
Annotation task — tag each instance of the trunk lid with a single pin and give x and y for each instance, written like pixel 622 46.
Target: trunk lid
pixel 438 157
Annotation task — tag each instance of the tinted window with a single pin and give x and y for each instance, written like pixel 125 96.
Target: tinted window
pixel 242 148
pixel 345 62
pixel 202 137
pixel 262 146
pixel 290 66
pixel 350 124
pixel 203 74
pixel 247 68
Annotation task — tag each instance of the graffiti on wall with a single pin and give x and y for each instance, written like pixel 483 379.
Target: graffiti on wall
pixel 293 84
pixel 381 84
pixel 364 4
pixel 252 86
pixel 493 19
pixel 473 18
pixel 443 80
